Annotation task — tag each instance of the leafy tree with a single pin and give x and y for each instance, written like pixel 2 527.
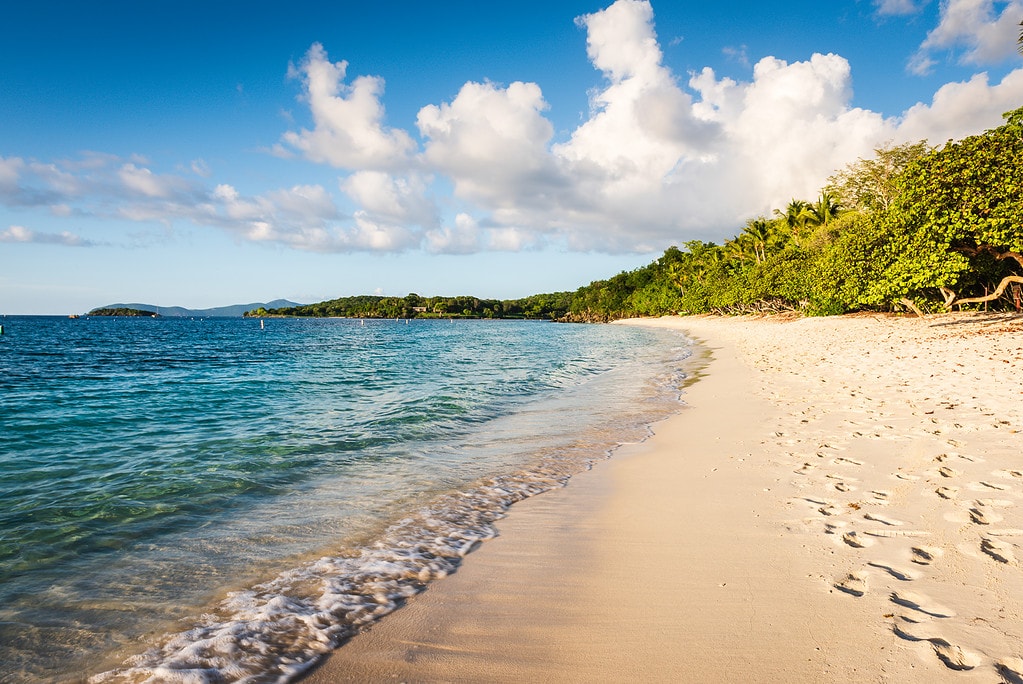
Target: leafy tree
pixel 869 184
pixel 956 208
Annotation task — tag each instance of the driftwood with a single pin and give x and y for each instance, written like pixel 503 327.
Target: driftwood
pixel 994 295
pixel 951 297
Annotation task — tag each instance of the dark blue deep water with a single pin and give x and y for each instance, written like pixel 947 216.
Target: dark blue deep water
pixel 206 500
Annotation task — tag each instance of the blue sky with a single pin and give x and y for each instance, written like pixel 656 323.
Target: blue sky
pixel 208 153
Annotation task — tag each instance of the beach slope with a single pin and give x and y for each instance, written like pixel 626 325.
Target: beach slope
pixel 840 500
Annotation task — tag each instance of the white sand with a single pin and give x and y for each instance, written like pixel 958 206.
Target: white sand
pixel 841 501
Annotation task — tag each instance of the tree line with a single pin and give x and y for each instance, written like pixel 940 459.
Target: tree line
pixel 913 228
pixel 542 306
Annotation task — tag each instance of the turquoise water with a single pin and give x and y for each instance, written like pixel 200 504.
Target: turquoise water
pixel 203 500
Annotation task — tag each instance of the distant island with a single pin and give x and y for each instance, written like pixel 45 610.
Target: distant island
pixel 232 311
pixel 121 311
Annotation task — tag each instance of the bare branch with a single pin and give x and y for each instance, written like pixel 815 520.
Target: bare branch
pixel 993 295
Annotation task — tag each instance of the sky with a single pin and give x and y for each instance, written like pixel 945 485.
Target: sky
pixel 200 154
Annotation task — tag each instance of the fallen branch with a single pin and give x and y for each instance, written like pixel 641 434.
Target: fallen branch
pixel 911 305
pixel 994 295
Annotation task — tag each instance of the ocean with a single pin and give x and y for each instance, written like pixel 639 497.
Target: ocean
pixel 206 500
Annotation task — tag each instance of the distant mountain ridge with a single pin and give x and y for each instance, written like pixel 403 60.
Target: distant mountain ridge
pixel 232 311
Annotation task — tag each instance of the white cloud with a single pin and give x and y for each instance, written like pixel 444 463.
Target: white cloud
pixel 898 7
pixel 976 28
pixel 392 199
pixel 378 237
pixel 491 142
pixel 201 168
pixel 464 237
pixel 23 234
pixel 142 181
pixel 10 170
pixel 348 119
pixel 961 109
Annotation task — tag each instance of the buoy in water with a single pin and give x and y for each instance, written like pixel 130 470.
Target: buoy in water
pixel 261 326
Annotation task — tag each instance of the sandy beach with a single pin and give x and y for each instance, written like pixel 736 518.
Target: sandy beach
pixel 841 499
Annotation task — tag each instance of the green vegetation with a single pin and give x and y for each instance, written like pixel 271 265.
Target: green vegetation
pixel 543 306
pixel 121 312
pixel 914 228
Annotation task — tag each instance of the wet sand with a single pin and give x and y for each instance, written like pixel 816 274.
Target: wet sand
pixel 838 501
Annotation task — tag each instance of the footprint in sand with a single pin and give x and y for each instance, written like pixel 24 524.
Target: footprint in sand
pixel 947 492
pixel 984 516
pixel 843 487
pixel 854 583
pixel 907 477
pixel 857 541
pixel 921 603
pixel 953 656
pixel 999 550
pixel 834 527
pixel 996 503
pixel 829 510
pixel 842 460
pixel 925 555
pixel 897 573
pixel 992 485
pixel 1011 670
pixel 881 495
pixel 945 471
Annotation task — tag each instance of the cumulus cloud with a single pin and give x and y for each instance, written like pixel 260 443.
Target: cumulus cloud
pixel 23 234
pixel 348 119
pixel 976 29
pixel 491 141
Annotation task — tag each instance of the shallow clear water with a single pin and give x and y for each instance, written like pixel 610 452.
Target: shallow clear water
pixel 203 500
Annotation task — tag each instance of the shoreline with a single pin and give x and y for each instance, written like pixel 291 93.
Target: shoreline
pixel 760 534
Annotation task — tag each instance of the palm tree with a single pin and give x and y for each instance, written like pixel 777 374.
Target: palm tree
pixel 796 215
pixel 758 232
pixel 1020 41
pixel 825 209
